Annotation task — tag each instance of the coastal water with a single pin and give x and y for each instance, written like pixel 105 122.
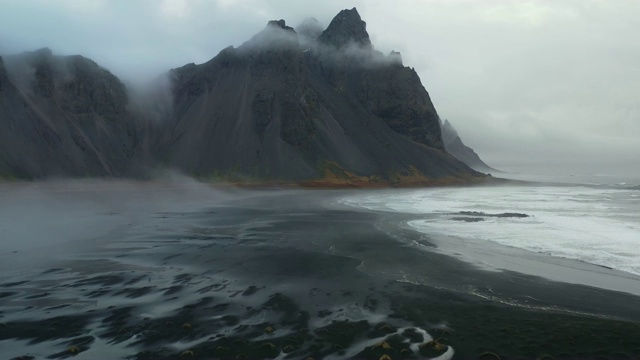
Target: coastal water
pixel 594 223
pixel 164 270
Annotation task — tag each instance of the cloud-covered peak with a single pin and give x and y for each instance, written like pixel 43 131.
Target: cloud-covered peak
pixel 310 28
pixel 345 29
pixel 275 35
pixel 395 58
pixel 279 24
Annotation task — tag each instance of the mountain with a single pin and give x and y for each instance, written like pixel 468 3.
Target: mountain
pixel 63 116
pixel 302 106
pixel 460 151
pixel 307 105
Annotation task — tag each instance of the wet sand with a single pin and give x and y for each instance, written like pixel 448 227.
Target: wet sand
pixel 168 271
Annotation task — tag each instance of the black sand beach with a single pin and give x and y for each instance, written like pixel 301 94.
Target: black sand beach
pixel 166 271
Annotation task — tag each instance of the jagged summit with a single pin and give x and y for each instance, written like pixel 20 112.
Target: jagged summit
pixel 346 28
pixel 280 24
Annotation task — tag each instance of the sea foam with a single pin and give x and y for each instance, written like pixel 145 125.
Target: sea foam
pixel 593 225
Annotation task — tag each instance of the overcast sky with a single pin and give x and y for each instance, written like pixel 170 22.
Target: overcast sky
pixel 530 82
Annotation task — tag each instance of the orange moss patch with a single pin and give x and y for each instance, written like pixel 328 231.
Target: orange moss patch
pixel 411 176
pixel 337 177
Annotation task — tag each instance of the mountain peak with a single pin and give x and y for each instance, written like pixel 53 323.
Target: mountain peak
pixel 448 125
pixel 279 24
pixel 275 35
pixel 395 57
pixel 347 27
pixel 46 52
pixel 40 56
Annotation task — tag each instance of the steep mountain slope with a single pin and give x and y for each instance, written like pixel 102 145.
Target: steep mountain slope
pixel 63 116
pixel 460 151
pixel 315 105
pixel 285 106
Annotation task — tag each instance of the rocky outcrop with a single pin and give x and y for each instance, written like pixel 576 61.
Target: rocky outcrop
pixel 460 151
pixel 63 116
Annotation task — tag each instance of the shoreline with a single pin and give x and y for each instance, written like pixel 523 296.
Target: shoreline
pixel 347 182
pixel 287 274
pixel 495 257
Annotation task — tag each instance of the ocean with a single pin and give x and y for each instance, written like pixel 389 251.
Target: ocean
pixel 177 269
pixel 596 221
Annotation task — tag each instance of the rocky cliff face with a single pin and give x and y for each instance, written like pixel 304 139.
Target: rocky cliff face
pixel 290 106
pixel 63 116
pixel 460 151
